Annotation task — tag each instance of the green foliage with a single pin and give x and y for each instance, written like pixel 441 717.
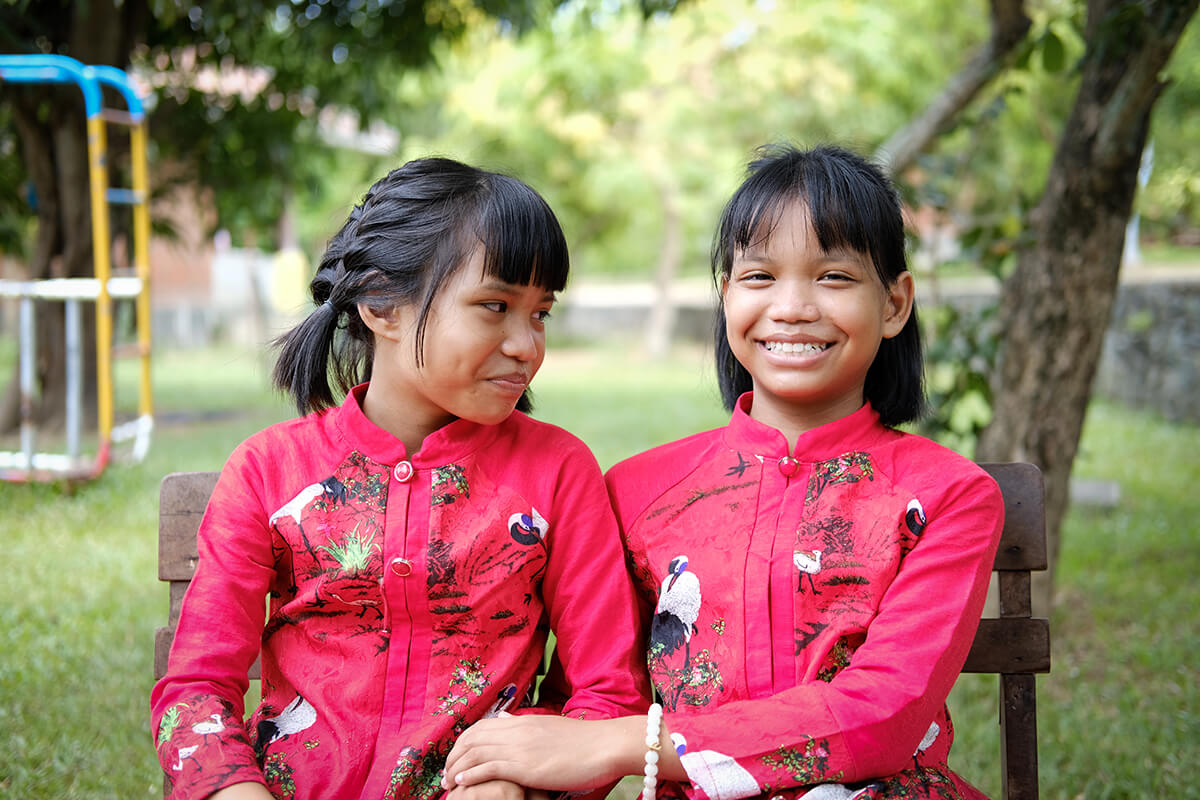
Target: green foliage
pixel 960 354
pixel 1170 203
pixel 628 124
pixel 239 89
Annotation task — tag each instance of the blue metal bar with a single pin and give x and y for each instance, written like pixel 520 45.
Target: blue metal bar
pixel 119 80
pixel 38 68
pixel 124 197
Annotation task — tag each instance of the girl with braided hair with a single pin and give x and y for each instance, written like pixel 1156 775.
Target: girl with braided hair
pixel 416 533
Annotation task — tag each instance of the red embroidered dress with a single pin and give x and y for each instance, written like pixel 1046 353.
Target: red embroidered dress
pixel 809 613
pixel 409 597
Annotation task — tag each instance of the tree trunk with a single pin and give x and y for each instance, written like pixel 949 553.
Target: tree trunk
pixel 660 328
pixel 1057 304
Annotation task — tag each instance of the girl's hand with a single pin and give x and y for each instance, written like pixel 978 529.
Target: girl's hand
pixel 489 790
pixel 547 752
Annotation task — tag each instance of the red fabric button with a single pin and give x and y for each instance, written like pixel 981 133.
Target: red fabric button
pixel 402 567
pixel 788 466
pixel 403 472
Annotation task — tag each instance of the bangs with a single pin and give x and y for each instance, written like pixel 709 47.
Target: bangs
pixel 522 240
pixel 846 212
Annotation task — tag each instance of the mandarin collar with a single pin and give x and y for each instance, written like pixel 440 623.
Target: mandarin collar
pixel 448 443
pixel 856 431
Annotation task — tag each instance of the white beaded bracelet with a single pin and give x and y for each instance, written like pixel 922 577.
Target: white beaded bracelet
pixel 653 745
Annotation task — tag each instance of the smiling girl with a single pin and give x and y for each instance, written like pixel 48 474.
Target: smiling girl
pixel 418 539
pixel 811 577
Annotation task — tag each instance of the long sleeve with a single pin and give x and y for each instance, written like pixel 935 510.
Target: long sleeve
pixel 870 718
pixel 598 668
pixel 810 609
pixel 197 708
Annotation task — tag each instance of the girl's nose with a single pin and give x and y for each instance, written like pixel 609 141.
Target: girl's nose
pixel 793 302
pixel 521 342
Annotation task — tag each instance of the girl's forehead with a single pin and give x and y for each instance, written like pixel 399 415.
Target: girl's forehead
pixel 788 227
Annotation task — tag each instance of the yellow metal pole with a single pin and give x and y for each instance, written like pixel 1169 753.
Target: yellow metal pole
pixel 141 258
pixel 98 172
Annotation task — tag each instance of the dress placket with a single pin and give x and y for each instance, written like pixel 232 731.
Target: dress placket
pixel 760 655
pixel 406 526
pixel 783 572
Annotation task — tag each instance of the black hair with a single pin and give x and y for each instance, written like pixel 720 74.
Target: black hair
pixel 850 204
pixel 414 229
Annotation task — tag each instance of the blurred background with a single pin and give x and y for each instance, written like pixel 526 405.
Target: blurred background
pixel 1045 151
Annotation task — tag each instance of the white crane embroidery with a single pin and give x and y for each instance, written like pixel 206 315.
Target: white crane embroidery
pixel 809 563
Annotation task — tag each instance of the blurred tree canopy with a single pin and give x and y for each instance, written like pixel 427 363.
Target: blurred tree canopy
pixel 635 118
pixel 237 91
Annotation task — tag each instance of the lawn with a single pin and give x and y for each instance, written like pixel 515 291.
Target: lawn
pixel 80 601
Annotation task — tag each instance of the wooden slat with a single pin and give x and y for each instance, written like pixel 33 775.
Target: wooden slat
pixel 177 589
pixel 1010 645
pixel 182 498
pixel 1018 745
pixel 1023 542
pixel 162 649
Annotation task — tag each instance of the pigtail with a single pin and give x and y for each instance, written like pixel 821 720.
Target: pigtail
pixel 313 357
pixel 301 369
pixel 414 228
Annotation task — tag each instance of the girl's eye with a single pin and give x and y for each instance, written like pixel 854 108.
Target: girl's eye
pixel 542 316
pixel 497 306
pixel 754 277
pixel 837 276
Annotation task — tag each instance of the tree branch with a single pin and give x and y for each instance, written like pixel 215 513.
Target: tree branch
pixel 1140 85
pixel 1010 23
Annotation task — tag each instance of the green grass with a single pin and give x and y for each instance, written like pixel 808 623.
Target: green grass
pixel 80 600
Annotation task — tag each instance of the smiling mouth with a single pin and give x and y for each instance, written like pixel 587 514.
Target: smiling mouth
pixel 796 348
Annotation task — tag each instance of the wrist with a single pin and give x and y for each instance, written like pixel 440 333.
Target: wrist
pixel 626 746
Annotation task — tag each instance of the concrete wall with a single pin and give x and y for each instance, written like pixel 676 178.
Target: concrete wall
pixel 1151 354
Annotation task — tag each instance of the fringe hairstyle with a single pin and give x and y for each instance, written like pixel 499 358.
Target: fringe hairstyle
pixel 851 204
pixel 414 229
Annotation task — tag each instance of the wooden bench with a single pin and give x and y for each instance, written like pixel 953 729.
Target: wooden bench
pixel 1015 645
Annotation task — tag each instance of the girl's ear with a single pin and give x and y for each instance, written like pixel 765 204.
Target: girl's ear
pixel 898 305
pixel 385 324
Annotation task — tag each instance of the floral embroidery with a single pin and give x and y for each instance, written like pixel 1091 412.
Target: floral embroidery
pixel 279 775
pixel 836 660
pixel 847 468
pixel 919 782
pixel 810 765
pixel 365 481
pixel 449 483
pixel 466 682
pixel 695 683
pixel 422 772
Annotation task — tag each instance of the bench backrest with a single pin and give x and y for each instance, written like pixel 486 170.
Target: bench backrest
pixel 1015 645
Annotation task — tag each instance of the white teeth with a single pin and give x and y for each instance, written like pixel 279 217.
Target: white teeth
pixel 800 348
